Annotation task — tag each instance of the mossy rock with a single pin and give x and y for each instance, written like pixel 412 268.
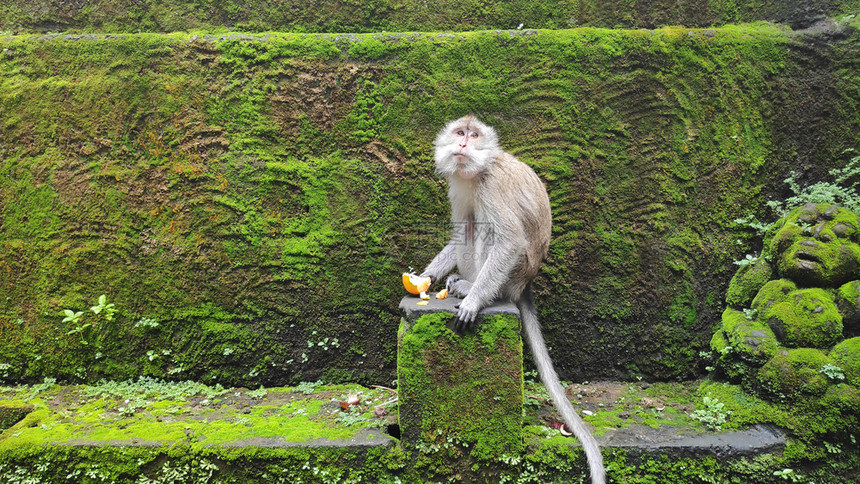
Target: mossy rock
pixel 817 246
pixel 848 301
pixel 747 281
pixel 793 373
pixel 732 366
pixel 10 414
pixel 753 340
pixel 806 318
pixel 719 343
pixel 844 397
pixel 474 379
pixel 846 355
pixel 773 292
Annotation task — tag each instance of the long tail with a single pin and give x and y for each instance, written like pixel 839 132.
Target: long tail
pixel 528 311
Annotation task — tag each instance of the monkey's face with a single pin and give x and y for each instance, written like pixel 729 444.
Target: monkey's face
pixel 465 147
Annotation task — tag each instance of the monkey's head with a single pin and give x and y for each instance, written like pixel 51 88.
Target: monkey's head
pixel 465 147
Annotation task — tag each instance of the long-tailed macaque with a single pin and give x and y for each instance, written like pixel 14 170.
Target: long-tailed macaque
pixel 502 223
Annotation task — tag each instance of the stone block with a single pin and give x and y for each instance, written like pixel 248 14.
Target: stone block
pixel 465 389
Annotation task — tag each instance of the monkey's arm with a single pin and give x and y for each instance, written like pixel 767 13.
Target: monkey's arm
pixel 502 259
pixel 443 263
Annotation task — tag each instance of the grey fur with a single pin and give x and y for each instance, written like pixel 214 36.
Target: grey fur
pixel 502 222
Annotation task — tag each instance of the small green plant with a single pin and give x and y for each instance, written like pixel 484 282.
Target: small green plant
pixel 833 448
pixel 71 316
pixel 750 313
pixel 41 387
pixel 148 323
pixel 753 223
pixel 714 415
pixel 131 406
pixel 788 475
pixel 749 259
pixel 102 305
pixel 838 192
pixel 832 372
pixel 308 387
pixel 258 394
pixel 152 389
pixel 352 417
pixel 75 318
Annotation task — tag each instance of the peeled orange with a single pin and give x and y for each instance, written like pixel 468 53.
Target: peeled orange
pixel 415 284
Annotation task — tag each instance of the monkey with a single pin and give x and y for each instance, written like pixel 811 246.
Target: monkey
pixel 502 221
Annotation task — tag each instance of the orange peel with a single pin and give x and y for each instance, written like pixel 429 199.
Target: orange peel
pixel 415 284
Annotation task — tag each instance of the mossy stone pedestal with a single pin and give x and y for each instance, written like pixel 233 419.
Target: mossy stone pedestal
pixel 460 390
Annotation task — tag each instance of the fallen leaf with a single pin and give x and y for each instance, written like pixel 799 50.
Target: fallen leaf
pixel 351 401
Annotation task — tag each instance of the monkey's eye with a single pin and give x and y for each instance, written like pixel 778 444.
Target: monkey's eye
pixel 474 134
pixel 461 133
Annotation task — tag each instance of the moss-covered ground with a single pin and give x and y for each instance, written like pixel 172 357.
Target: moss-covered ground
pixel 154 431
pixel 182 432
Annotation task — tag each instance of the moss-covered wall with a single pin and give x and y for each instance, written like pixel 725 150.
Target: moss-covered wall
pixel 400 15
pixel 249 203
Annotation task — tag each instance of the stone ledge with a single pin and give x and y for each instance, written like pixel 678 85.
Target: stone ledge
pixel 153 444
pixel 758 439
pixel 412 311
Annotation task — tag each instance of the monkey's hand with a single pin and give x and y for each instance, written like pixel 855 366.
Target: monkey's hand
pixel 467 311
pixel 457 286
pixel 431 276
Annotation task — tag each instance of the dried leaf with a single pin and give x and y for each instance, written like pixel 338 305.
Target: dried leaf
pixel 351 401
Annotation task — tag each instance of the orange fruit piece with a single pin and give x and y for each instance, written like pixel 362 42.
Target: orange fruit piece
pixel 415 284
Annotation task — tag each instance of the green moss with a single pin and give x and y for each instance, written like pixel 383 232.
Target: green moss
pixel 205 449
pixel 806 318
pixel 817 245
pixel 793 373
pixel 207 181
pixel 404 15
pixel 124 431
pixel 474 380
pixel 847 299
pixel 846 355
pixel 752 340
pixel 774 292
pixel 747 281
pixel 13 412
